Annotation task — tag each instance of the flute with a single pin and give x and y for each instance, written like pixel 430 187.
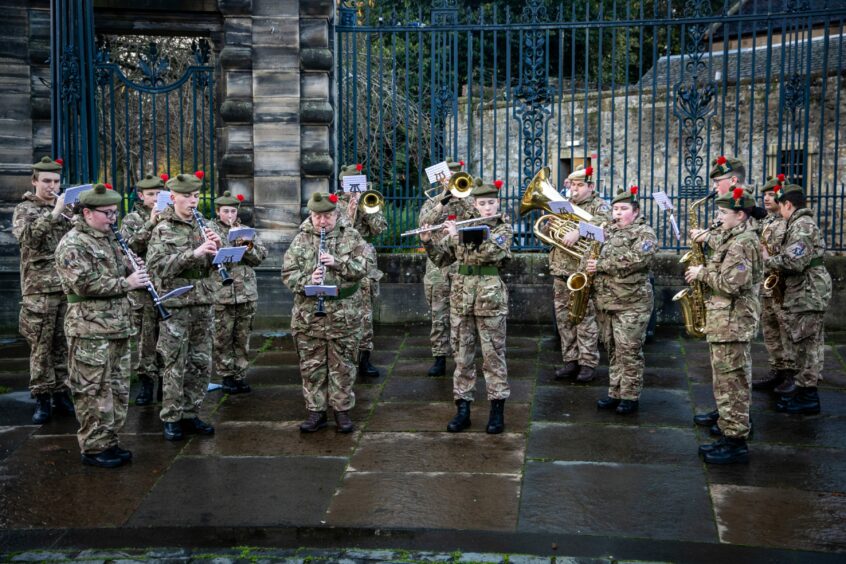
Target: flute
pixel 201 223
pixel 163 313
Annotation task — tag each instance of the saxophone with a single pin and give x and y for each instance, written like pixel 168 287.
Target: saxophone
pixel 773 282
pixel 692 299
pixel 580 284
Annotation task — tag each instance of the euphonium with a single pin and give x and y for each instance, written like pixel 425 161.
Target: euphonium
pixel 692 299
pixel 773 282
pixel 558 227
pixel 580 285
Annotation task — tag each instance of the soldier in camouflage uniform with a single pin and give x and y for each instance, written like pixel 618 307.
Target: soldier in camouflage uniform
pixel 782 365
pixel 95 275
pixel 733 274
pixel 38 224
pixel 436 281
pixel 478 302
pixel 136 228
pixel 725 174
pixel 579 343
pixel 327 345
pixel 807 292
pixel 234 305
pixel 369 225
pixel 624 300
pixel 178 255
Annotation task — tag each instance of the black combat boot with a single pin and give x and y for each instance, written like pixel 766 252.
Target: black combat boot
pixel 586 374
pixel 438 367
pixel 731 451
pixel 172 431
pixel 125 455
pixel 805 402
pixel 343 423
pixel 43 409
pixel 607 403
pixel 771 380
pixel 229 386
pixel 709 447
pixel 106 459
pixel 243 387
pixel 315 421
pixel 788 385
pixel 160 391
pixel 462 417
pixel 145 394
pixel 707 419
pixel 364 366
pixel 62 403
pixel 196 426
pixel 570 368
pixel 496 419
pixel 627 406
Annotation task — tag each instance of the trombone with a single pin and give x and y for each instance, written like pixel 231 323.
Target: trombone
pixel 459 186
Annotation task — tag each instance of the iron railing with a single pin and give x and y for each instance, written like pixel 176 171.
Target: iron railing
pixel 648 93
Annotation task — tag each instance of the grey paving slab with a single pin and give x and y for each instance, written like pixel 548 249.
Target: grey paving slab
pixel 433 416
pixel 277 358
pixel 285 375
pixel 613 443
pixel 418 500
pixel 404 367
pixel 13 437
pixel 15 381
pixel 16 408
pixel 630 500
pixel 425 388
pixel 278 491
pixel 786 518
pixel 284 403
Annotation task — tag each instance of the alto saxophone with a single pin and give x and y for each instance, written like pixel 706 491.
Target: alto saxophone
pixel 692 299
pixel 773 282
pixel 580 284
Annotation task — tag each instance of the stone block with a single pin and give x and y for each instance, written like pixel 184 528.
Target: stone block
pixel 277 189
pixel 237 139
pixel 314 138
pixel 276 7
pixel 236 58
pixel 317 8
pixel 314 33
pixel 236 164
pixel 271 58
pixel 277 32
pixel 276 136
pixel 276 83
pixel 316 111
pixel 238 185
pixel 237 84
pixel 277 162
pixel 315 85
pixel 316 59
pixel 40 108
pixel 277 216
pixel 237 111
pixel 235 7
pixel 310 185
pixel 238 31
pixel 272 109
pixel 317 163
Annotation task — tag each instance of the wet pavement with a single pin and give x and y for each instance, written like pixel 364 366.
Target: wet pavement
pixel 564 479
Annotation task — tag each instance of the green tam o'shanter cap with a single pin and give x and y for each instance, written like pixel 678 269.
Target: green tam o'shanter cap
pixel 227 199
pixel 151 182
pixel 100 195
pixel 789 189
pixel 186 182
pixel 626 196
pixel 724 166
pixel 454 166
pixel 735 199
pixel 582 174
pixel 320 202
pixel 46 164
pixel 483 190
pixel 350 170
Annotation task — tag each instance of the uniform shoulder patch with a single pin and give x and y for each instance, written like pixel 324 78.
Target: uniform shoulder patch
pixel 741 267
pixel 647 246
pixel 500 240
pixel 797 249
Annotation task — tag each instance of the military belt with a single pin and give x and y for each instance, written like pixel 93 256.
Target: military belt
pixel 344 293
pixel 76 298
pixel 817 261
pixel 193 274
pixel 473 270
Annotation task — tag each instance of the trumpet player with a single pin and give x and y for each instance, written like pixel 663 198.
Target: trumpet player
pixel 97 279
pixel 327 340
pixel 776 339
pixel 235 304
pixel 478 303
pixel 733 274
pixel 436 281
pixel 579 343
pixel 369 224
pixel 807 292
pixel 624 300
pixel 136 228
pixel 180 254
pixel 38 224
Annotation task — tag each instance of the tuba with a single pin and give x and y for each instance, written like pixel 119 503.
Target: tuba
pixel 692 299
pixel 539 193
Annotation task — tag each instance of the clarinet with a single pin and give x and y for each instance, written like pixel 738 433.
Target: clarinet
pixel 163 313
pixel 201 223
pixel 321 306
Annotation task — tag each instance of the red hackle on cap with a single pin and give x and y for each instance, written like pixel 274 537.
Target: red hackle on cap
pixel 240 197
pixel 165 177
pixel 108 186
pixel 781 178
pixel 633 190
pixel 460 163
pixel 333 198
pixel 200 174
pixel 589 171
pixel 497 184
pixel 359 166
pixel 721 160
pixel 451 217
pixel 737 193
pixel 60 161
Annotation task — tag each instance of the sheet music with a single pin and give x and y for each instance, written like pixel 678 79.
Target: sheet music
pixel 592 232
pixel 229 255
pixel 72 193
pixel 354 183
pixel 438 172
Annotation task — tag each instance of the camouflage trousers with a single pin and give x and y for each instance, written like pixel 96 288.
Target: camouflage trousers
pixel 42 324
pixel 492 336
pixel 99 382
pixel 579 343
pixel 436 288
pixel 185 344
pixel 368 292
pixel 328 369
pixel 146 363
pixel 233 324
pixel 623 332
pixel 806 336
pixel 731 364
pixel 776 338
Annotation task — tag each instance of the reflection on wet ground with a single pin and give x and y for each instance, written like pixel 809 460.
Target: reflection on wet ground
pixel 561 470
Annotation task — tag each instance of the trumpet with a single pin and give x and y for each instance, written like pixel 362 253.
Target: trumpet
pixel 201 223
pixel 441 225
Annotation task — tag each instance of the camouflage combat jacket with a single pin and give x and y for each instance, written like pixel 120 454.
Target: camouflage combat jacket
pixel 171 262
pixel 563 264
pixel 462 209
pixel 244 287
pixel 93 272
pixel 368 225
pixel 136 228
pixel 353 262
pixel 471 293
pixel 800 262
pixel 772 239
pixel 623 267
pixel 733 275
pixel 38 234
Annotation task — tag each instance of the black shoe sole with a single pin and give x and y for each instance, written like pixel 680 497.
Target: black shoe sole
pixel 457 429
pixel 313 430
pixel 173 438
pixel 735 460
pixel 494 431
pixel 90 462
